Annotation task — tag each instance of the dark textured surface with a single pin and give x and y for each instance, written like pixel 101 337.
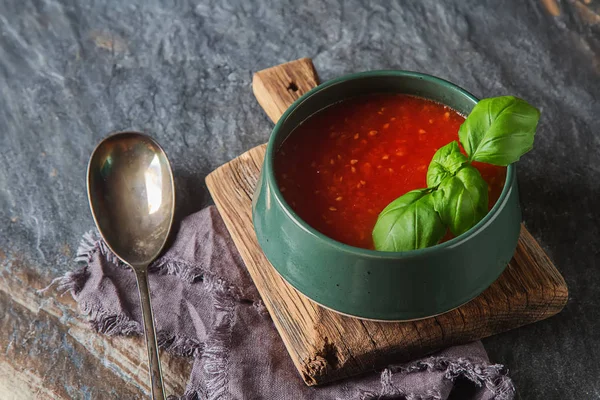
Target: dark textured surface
pixel 71 71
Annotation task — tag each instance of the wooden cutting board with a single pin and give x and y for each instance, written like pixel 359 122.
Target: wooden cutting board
pixel 326 346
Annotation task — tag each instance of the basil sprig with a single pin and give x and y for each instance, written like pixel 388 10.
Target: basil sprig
pixel 498 131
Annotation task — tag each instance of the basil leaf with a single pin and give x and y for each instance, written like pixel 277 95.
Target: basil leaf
pixel 499 130
pixel 462 200
pixel 445 162
pixel 407 223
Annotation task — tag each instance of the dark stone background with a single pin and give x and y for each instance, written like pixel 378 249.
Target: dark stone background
pixel 72 71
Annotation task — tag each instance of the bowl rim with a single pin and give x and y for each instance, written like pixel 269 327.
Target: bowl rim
pixel 274 187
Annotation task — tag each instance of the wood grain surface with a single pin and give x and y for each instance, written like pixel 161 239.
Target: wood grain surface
pixel 52 352
pixel 326 346
pixel 278 87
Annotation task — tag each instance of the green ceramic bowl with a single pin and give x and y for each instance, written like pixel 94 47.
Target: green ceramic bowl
pixel 372 284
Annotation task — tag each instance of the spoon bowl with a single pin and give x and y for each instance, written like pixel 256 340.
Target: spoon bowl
pixel 132 198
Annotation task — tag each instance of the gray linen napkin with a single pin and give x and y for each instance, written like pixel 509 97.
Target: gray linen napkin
pixel 206 307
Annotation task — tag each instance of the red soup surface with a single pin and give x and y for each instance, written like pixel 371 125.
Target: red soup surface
pixel 346 163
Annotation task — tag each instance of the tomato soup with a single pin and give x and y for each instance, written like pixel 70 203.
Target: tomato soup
pixel 346 163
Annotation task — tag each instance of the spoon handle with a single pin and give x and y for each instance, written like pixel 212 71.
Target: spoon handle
pixel 158 391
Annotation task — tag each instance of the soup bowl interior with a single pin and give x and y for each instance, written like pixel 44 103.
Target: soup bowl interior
pixel 372 284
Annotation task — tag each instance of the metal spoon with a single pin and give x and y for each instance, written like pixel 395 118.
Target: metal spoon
pixel 132 197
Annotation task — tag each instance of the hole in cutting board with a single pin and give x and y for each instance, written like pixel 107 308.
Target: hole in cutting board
pixel 293 87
